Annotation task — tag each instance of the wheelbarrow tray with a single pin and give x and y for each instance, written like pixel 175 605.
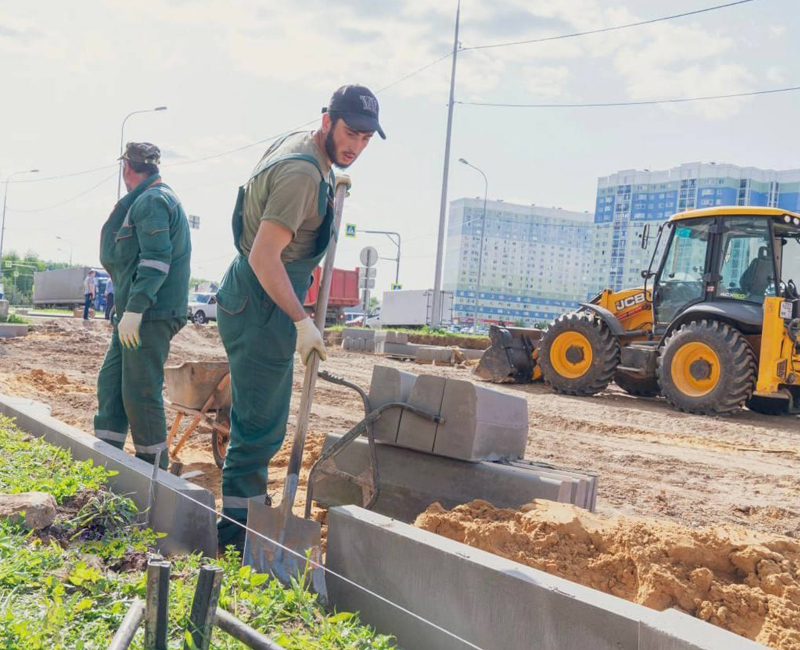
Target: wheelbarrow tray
pixel 190 384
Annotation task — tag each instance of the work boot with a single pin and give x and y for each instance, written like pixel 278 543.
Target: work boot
pixel 233 533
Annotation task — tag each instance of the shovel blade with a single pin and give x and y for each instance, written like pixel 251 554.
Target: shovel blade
pixel 303 536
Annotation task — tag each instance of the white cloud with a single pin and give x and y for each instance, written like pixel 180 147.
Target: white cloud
pixel 777 30
pixel 545 81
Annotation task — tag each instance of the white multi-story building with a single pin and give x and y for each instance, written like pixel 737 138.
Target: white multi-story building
pixel 536 261
pixel 629 199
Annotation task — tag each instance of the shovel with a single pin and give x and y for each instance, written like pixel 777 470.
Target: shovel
pixel 280 524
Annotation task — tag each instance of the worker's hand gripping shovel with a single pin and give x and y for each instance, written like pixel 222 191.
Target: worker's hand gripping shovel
pixel 291 539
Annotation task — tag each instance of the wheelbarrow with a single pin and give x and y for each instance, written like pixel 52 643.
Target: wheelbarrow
pixel 200 390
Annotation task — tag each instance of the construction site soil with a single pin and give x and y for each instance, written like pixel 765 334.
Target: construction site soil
pixel 664 475
pixel 741 580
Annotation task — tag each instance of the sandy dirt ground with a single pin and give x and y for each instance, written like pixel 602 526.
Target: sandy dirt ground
pixel 653 462
pixel 744 581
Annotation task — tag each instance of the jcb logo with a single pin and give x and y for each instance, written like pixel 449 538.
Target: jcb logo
pixel 630 301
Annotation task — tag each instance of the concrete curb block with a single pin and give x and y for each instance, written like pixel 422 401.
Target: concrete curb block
pixel 189 526
pixel 491 602
pixel 13 330
pixel 412 480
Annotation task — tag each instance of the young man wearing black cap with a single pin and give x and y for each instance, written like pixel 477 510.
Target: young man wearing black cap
pixel 281 226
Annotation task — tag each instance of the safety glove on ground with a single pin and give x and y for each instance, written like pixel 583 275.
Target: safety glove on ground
pixel 128 330
pixel 309 339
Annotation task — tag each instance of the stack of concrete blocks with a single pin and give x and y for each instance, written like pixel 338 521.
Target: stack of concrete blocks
pixel 475 454
pixel 480 423
pixel 378 341
pixel 356 338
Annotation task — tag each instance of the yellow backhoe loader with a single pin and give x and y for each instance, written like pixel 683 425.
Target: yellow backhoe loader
pixel 719 328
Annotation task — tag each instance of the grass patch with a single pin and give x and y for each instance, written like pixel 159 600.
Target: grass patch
pixel 14 319
pixel 68 587
pixel 52 310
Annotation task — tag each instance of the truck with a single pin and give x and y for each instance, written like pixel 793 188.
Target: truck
pixel 344 294
pixel 64 287
pixel 411 308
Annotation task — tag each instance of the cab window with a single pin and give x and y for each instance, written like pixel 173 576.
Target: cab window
pixel 747 266
pixel 681 280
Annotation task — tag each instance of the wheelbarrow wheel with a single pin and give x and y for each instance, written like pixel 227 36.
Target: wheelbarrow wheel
pixel 219 440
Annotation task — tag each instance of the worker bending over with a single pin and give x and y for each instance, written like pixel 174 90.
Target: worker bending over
pixel 282 225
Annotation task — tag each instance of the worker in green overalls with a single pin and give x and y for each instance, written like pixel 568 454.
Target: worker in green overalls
pixel 146 249
pixel 282 226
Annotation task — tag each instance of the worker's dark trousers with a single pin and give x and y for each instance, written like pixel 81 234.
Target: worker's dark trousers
pixel 87 302
pixel 129 391
pixel 109 305
pixel 259 340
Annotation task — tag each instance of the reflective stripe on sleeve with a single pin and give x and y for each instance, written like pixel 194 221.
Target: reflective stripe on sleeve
pixel 155 264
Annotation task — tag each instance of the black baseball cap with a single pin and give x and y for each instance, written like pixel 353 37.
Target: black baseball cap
pixel 358 107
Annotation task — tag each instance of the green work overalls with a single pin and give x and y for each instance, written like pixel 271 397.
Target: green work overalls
pixel 260 340
pixel 146 248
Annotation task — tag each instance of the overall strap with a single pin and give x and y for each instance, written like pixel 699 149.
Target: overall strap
pixel 325 190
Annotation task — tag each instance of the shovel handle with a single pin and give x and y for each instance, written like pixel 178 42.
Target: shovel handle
pixel 310 379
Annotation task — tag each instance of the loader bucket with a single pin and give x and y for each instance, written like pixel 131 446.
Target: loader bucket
pixel 510 359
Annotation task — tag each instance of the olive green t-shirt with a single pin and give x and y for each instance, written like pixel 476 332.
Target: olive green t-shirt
pixel 287 194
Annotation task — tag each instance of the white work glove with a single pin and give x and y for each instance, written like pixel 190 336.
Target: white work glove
pixel 128 330
pixel 309 339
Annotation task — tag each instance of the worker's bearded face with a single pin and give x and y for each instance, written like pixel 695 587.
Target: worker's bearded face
pixel 343 144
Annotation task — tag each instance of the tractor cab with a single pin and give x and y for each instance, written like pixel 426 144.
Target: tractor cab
pixel 725 262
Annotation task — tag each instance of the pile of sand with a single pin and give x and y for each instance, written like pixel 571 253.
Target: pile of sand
pixel 746 583
pixel 41 381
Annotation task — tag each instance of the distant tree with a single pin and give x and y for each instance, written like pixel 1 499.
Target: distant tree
pixel 19 289
pixel 373 302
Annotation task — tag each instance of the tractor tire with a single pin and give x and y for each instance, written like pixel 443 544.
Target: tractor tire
pixel 578 355
pixel 638 386
pixel 768 405
pixel 707 368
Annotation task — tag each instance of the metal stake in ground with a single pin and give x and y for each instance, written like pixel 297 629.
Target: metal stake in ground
pixel 204 608
pixel 156 619
pixel 303 536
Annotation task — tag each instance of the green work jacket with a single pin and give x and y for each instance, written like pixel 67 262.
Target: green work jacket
pixel 146 248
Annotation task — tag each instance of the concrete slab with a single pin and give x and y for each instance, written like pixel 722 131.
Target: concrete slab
pixel 491 602
pixel 358 333
pixel 180 509
pixel 3 307
pixel 481 423
pixel 410 481
pixel 673 630
pixel 416 432
pixel 400 350
pixel 396 337
pixel 440 355
pixel 389 385
pixel 13 330
pixel 485 600
pixel 584 492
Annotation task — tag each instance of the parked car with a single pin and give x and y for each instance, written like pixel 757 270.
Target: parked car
pixel 202 307
pixel 355 321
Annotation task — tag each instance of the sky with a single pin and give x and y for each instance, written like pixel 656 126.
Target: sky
pixel 234 74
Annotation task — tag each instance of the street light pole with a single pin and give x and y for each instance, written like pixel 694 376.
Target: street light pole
pixel 67 241
pixel 122 141
pixel 483 231
pixel 437 278
pixel 391 235
pixel 5 202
